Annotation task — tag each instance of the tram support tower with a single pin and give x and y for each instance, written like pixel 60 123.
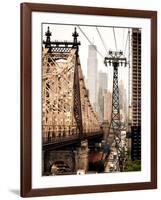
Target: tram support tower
pixel 115 59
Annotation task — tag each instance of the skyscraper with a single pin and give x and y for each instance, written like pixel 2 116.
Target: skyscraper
pixel 136 95
pixel 107 106
pixel 123 101
pixel 92 75
pixel 102 89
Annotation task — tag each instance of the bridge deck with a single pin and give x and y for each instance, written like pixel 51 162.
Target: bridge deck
pixel 54 143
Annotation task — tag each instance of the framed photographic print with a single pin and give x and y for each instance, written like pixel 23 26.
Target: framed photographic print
pixel 88 99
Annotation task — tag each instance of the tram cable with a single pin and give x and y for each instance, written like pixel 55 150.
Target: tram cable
pixel 125 48
pixel 115 38
pixel 102 40
pixel 90 41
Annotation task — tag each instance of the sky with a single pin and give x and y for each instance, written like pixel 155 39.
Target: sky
pixel 64 32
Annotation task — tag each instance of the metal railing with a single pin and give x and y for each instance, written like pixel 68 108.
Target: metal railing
pixel 59 139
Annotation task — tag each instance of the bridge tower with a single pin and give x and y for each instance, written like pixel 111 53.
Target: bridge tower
pixel 116 59
pixel 68 118
pixel 76 89
pixel 48 34
pixel 62 48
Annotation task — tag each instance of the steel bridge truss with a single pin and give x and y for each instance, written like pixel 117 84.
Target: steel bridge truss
pixel 66 109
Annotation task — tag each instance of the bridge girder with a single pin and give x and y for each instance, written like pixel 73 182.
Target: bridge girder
pixel 59 118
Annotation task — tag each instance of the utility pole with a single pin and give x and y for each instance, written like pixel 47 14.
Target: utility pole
pixel 115 59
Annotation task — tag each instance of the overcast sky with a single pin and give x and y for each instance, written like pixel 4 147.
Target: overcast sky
pixel 64 32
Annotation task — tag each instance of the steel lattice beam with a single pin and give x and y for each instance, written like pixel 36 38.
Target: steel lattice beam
pixel 67 111
pixel 77 100
pixel 115 116
pixel 116 59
